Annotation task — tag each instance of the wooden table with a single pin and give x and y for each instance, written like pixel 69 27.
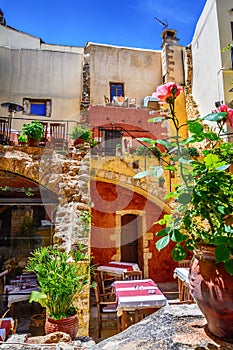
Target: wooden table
pixel 117 268
pixel 137 294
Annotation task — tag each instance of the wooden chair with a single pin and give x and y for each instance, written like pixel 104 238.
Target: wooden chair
pixel 132 275
pixel 105 283
pixel 184 263
pixel 132 102
pixel 44 139
pixel 107 313
pixel 107 101
pixel 57 133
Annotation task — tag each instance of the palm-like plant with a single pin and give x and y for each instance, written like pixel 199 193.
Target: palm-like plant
pixel 62 276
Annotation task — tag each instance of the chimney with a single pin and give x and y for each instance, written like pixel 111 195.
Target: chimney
pixel 169 37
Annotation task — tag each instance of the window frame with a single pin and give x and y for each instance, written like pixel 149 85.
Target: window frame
pixel 29 102
pixel 118 91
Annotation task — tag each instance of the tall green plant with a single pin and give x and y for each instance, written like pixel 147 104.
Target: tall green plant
pixel 62 276
pixel 203 195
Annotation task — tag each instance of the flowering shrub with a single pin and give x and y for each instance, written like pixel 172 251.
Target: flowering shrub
pixel 203 197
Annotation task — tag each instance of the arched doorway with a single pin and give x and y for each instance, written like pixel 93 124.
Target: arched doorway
pixel 27 212
pixel 129 238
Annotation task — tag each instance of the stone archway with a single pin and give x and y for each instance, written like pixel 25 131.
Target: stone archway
pixel 67 176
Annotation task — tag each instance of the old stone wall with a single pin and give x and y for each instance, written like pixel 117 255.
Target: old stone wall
pixel 66 175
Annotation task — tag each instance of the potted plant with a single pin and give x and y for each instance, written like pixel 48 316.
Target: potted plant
pixel 34 132
pixel 61 276
pixel 201 219
pixel 80 135
pixel 22 140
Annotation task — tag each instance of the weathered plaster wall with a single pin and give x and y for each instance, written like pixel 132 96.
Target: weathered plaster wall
pixel 129 119
pixel 39 74
pixel 68 177
pixel 138 69
pixel 110 199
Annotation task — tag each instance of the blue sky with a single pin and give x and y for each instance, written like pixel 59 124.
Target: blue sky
pixel 123 22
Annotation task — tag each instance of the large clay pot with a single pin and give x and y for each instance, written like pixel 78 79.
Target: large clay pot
pixel 67 325
pixel 212 288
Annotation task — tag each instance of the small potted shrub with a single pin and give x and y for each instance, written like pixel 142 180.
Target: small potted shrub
pixel 61 276
pixel 34 132
pixel 80 135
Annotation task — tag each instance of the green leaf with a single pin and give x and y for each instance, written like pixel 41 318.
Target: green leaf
pixel 222 253
pixel 142 174
pixel 169 167
pixel 177 236
pixel 223 167
pixel 214 117
pixel 229 266
pixel 221 209
pixel 156 119
pixel 185 160
pixel 178 253
pixel 184 198
pixel 146 139
pixel 211 136
pixel 165 143
pixel 162 243
pixel 221 240
pixel 195 127
pixel 162 233
pixel 38 297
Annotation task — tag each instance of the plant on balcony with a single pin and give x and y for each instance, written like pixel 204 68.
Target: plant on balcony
pixel 34 132
pixel 80 134
pixel 201 219
pixel 22 140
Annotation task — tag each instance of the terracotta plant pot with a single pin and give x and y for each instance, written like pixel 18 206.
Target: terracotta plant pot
pixel 78 141
pixel 212 288
pixel 67 325
pixel 33 142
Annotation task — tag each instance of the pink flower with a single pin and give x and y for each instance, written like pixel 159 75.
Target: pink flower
pixel 229 111
pixel 167 92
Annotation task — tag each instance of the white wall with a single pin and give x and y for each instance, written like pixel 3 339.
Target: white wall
pixel 13 38
pixel 207 81
pixel 212 34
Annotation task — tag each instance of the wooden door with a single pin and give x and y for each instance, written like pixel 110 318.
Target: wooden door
pixel 129 238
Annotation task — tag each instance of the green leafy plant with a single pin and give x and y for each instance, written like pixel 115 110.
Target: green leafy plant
pixel 81 132
pixel 203 196
pixel 22 139
pixel 62 276
pixel 34 130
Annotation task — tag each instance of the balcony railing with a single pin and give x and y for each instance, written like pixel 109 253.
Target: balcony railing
pixel 9 136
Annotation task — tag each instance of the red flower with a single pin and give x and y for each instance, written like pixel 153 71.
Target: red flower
pixel 167 92
pixel 229 111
